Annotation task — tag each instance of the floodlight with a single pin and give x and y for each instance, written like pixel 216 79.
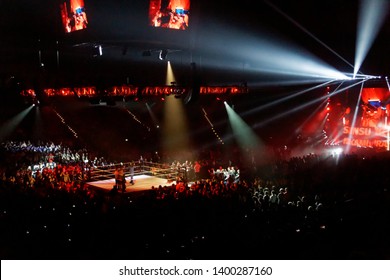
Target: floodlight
pixel 163 54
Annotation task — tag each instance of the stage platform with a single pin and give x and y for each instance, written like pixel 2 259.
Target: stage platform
pixel 141 183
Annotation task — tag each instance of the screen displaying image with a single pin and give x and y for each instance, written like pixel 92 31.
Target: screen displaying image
pixel 368 127
pixel 173 14
pixel 73 15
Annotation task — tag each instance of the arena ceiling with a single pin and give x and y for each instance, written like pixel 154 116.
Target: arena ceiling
pixel 229 42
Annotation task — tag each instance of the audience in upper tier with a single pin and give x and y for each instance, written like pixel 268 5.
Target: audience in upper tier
pixel 308 207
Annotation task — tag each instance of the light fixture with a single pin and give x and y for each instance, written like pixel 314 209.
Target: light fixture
pixel 97 50
pixel 163 54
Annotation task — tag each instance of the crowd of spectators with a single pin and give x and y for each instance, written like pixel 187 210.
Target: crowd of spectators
pixel 308 207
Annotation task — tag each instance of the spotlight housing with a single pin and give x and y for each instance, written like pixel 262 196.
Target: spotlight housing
pixel 163 54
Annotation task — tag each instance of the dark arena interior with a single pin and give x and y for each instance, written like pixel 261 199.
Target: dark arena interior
pixel 181 129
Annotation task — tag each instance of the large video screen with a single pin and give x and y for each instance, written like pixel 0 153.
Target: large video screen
pixel 172 14
pixel 370 127
pixel 73 15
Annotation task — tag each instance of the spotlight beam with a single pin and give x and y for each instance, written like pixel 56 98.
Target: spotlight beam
pixel 287 82
pixel 263 54
pixel 241 130
pixel 274 103
pixel 176 138
pixel 325 101
pixel 321 106
pixel 354 119
pixel 372 14
pixel 10 125
pixel 284 99
pixel 307 32
pixel 304 105
pixel 387 83
pixel 170 77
